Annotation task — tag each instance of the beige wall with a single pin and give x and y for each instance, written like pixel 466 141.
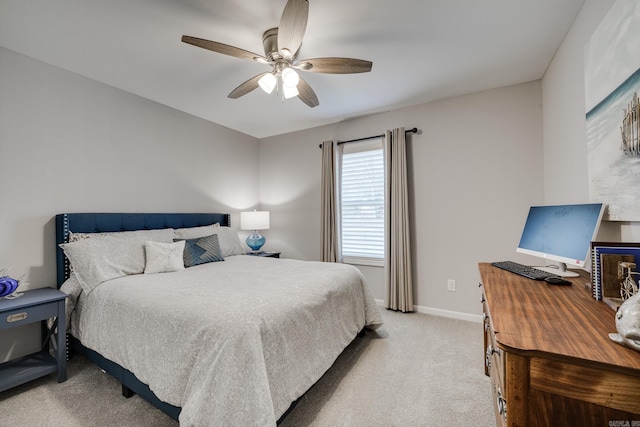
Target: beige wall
pixel 70 144
pixel 471 150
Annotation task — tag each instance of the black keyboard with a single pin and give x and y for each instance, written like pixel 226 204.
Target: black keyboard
pixel 523 270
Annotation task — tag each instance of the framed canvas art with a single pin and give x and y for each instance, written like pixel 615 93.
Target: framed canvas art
pixel 612 85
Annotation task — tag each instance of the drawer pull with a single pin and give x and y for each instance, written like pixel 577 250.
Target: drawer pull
pixel 489 353
pixel 502 405
pixel 17 317
pixel 485 320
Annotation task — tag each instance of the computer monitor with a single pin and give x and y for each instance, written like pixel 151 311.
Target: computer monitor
pixel 561 233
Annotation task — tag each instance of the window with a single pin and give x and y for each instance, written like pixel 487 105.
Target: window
pixel 362 203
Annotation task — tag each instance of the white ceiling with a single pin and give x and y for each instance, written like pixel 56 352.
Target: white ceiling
pixel 422 50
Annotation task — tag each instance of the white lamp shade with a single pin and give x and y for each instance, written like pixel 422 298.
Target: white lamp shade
pixel 267 82
pixel 254 220
pixel 290 77
pixel 289 91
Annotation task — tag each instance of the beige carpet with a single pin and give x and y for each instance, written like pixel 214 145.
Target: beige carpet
pixel 416 370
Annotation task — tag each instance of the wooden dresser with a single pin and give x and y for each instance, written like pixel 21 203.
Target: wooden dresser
pixel 549 356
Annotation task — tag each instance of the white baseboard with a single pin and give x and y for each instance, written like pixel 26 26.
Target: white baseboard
pixel 443 313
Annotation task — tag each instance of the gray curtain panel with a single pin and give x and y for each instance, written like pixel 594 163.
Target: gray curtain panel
pixel 399 281
pixel 329 227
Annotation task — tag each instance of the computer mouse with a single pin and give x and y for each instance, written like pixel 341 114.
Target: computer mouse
pixel 552 280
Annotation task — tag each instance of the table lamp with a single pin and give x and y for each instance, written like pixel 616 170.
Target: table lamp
pixel 255 220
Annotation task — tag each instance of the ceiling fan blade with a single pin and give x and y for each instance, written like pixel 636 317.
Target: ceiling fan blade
pixel 306 94
pixel 293 24
pixel 225 49
pixel 335 65
pixel 246 87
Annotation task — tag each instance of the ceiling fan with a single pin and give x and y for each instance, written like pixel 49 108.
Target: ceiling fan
pixel 281 47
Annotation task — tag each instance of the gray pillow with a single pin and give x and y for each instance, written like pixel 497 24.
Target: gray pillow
pixel 195 232
pixel 229 241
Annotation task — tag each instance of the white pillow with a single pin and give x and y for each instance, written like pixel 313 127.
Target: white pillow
pixel 227 237
pixel 229 241
pixel 196 232
pixel 164 257
pixel 105 257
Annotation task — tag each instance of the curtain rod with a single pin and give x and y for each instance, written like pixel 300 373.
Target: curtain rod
pixel 414 130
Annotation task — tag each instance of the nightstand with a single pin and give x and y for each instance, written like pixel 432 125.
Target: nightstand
pixel 265 254
pixel 37 305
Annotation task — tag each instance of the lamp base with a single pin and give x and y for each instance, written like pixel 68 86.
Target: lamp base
pixel 255 241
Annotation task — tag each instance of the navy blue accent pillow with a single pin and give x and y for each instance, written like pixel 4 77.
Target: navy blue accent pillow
pixel 201 250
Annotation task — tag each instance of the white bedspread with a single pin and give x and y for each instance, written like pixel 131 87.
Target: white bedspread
pixel 234 342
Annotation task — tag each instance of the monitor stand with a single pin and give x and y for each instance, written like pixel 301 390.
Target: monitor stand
pixel 561 270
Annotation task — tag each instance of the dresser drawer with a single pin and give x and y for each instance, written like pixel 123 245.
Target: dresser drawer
pixel 497 387
pixel 494 366
pixel 486 324
pixel 493 357
pixel 490 343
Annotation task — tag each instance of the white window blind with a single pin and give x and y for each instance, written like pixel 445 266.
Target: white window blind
pixel 362 203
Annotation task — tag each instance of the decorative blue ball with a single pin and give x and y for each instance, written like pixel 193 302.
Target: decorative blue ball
pixel 7 286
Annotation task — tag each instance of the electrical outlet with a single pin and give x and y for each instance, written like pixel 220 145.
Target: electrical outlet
pixel 451 285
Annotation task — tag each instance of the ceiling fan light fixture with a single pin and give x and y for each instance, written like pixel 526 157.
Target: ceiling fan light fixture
pixel 267 82
pixel 289 91
pixel 289 77
pixel 281 46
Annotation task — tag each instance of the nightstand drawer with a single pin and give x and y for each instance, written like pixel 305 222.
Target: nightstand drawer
pixel 25 315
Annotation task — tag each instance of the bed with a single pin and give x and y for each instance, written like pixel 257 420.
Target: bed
pixel 234 341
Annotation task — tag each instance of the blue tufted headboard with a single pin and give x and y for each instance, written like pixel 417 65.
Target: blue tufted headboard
pixel 110 222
